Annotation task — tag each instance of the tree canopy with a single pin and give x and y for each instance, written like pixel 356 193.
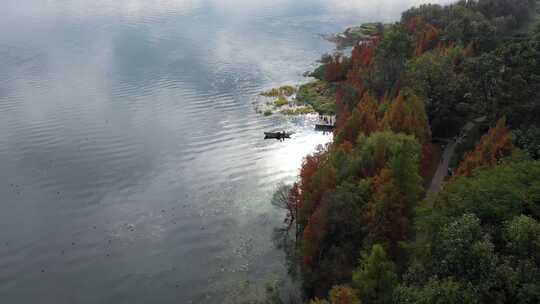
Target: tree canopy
pixel 366 231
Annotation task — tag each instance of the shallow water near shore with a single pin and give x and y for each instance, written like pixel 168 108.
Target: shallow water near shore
pixel 133 167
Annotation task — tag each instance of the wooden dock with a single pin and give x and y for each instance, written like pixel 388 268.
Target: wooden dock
pixel 324 127
pixel 326 123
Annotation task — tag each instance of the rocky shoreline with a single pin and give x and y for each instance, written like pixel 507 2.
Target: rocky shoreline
pixel 353 35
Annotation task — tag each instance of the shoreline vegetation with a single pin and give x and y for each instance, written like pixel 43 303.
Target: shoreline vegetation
pixel 282 100
pixel 313 97
pixel 451 91
pixel 357 34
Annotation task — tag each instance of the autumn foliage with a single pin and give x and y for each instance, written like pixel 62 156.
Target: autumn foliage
pixel 365 190
pixel 407 115
pixel 379 143
pixel 362 59
pixel 313 236
pixel 425 34
pixel 343 294
pixel 387 217
pixel 360 63
pixel 293 204
pixel 362 121
pixel 493 146
pixel 336 68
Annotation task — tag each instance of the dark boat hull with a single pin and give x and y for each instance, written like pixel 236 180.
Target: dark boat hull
pixel 276 135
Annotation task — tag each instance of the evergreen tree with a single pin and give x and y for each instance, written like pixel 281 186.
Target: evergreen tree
pixel 375 278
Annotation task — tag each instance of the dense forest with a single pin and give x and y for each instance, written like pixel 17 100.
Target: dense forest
pixel 363 226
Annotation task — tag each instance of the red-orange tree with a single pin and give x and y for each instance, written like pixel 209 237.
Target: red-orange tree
pixel 494 145
pixel 407 115
pixel 425 34
pixel 362 121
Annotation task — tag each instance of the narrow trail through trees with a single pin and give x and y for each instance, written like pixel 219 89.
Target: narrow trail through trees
pixel 442 169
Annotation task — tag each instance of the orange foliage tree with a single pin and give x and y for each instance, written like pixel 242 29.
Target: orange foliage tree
pixel 308 187
pixel 313 235
pixel 293 204
pixel 396 189
pixel 362 121
pixel 343 294
pixel 362 58
pixel 337 68
pixel 494 145
pixel 361 62
pixel 407 114
pixel 425 34
pixel 387 220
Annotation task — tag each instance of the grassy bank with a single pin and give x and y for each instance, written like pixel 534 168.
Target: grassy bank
pixel 318 94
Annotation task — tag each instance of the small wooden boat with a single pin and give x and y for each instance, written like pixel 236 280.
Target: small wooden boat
pixel 277 135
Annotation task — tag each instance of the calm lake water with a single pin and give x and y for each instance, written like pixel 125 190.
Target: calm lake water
pixel 132 163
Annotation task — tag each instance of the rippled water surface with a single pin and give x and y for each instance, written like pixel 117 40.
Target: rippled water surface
pixel 132 163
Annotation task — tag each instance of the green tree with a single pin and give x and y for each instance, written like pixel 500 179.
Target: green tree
pixel 484 75
pixel 463 251
pixel 495 195
pixel 506 82
pixel 345 227
pixel 432 77
pixel 528 139
pixel 432 13
pixel 445 291
pixel 395 192
pixel 522 235
pixel 375 151
pixel 518 94
pixel 390 56
pixel 475 234
pixel 468 26
pixel 375 277
pixel 520 10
